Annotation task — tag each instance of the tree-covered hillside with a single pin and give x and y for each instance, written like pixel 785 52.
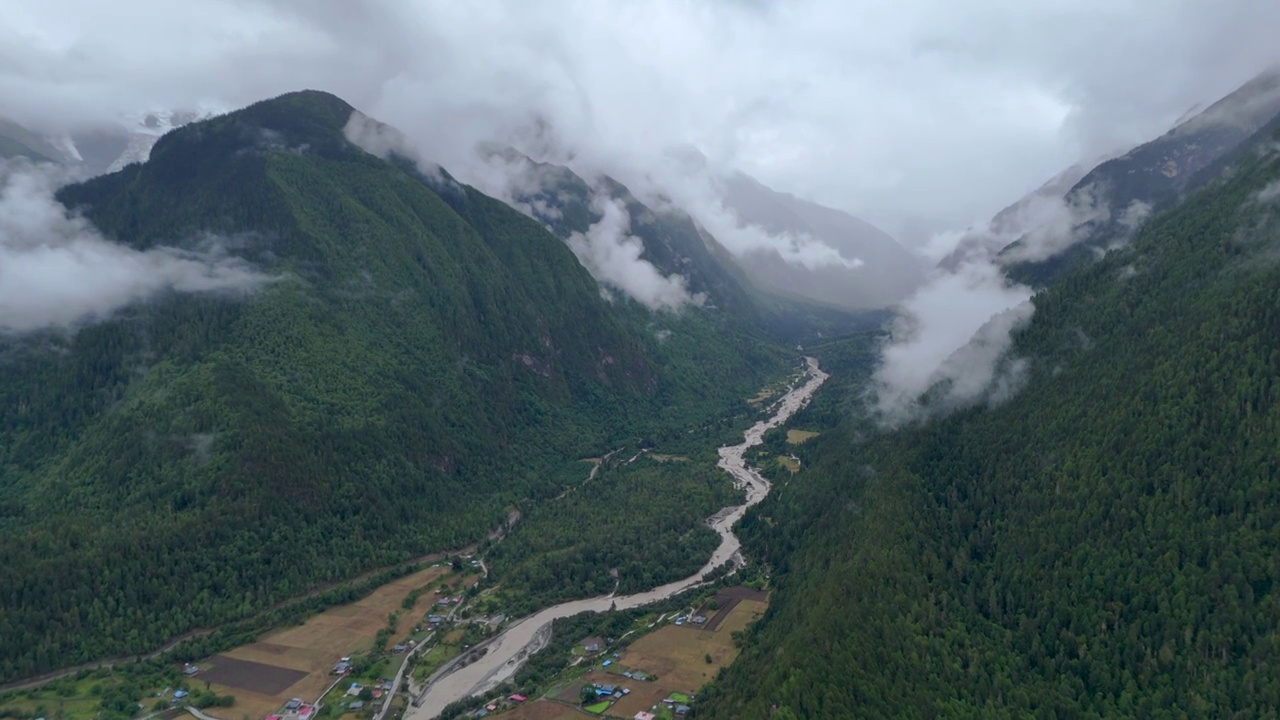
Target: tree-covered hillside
pixel 420 363
pixel 1104 544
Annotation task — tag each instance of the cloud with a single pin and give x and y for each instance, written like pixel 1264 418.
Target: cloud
pixel 698 187
pixel 384 141
pixel 1268 193
pixel 613 256
pixel 948 340
pixel 948 346
pixel 1050 225
pixel 58 271
pixel 923 111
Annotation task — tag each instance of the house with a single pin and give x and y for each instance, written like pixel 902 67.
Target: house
pixel 190 670
pixel 306 712
pixel 605 690
pixel 592 644
pixel 642 715
pixel 399 648
pixel 273 717
pixel 682 710
pixel 356 705
pixel 517 697
pixel 606 663
pixel 341 668
pixel 293 705
pixel 178 695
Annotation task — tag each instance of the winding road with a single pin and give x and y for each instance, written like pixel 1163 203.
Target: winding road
pixel 506 652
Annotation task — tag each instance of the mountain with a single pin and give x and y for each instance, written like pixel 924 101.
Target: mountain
pixel 1111 199
pixel 18 141
pixel 670 240
pixel 674 244
pixel 888 272
pixel 1102 544
pixel 1016 219
pixel 423 359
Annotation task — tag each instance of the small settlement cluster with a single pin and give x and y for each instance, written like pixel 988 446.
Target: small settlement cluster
pixel 499 705
pixel 294 709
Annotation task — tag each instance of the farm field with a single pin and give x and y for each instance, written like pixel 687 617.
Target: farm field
pixel 78 703
pixel 678 654
pixel 296 661
pixel 789 464
pixel 796 437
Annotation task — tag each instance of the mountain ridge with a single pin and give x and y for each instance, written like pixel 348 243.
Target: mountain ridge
pixel 1152 175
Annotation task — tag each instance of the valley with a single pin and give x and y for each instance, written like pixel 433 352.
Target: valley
pixel 429 613
pixel 504 654
pixel 641 361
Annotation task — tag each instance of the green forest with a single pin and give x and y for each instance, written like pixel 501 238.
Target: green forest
pixel 1104 544
pixel 637 525
pixel 424 360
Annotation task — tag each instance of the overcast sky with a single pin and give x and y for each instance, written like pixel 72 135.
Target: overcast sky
pixel 892 109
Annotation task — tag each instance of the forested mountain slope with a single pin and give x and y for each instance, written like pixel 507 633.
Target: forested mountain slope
pixel 424 358
pixel 1104 544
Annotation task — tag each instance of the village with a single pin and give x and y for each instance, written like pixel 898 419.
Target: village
pixel 652 672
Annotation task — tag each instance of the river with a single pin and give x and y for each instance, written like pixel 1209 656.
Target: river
pixel 506 652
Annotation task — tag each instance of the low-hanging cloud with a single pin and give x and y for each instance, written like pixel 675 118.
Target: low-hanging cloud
pixel 950 335
pixel 685 181
pixel 58 271
pixel 385 141
pixel 613 256
pixel 1269 193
